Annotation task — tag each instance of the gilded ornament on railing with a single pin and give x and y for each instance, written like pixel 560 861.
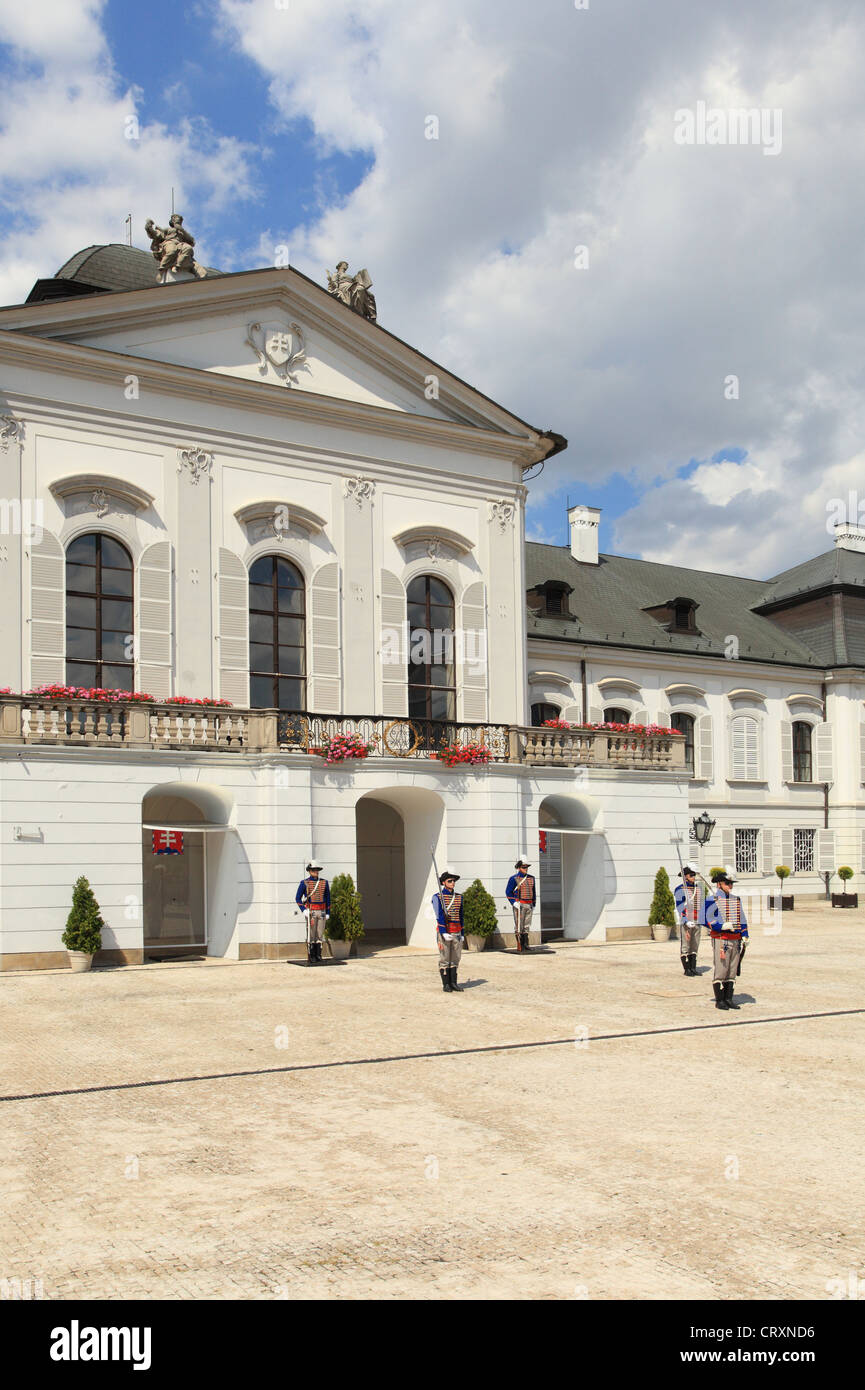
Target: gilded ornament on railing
pixel 400 738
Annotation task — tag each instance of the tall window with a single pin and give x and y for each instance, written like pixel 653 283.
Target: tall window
pixel 99 620
pixel 801 751
pixel 277 635
pixel 746 851
pixel 745 735
pixel 542 712
pixel 431 670
pixel 685 724
pixel 614 715
pixel 803 851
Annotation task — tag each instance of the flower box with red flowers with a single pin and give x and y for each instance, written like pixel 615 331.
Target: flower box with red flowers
pixel 463 754
pixel 343 747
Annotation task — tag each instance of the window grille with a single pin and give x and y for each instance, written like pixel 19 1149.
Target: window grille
pixel 803 851
pixel 746 851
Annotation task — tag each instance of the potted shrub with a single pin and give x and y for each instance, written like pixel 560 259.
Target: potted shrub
pixel 845 899
pixel 785 902
pixel 83 935
pixel 480 919
pixel 345 923
pixel 662 913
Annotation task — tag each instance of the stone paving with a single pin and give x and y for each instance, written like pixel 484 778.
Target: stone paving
pixel 724 1162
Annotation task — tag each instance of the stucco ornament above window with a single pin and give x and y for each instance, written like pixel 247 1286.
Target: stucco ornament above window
pixel 355 291
pixel 433 539
pixel 280 350
pixel 100 493
pixel 195 460
pixel 275 520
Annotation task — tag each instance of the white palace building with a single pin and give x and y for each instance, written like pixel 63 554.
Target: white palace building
pixel 238 488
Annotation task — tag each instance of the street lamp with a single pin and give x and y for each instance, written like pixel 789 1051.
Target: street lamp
pixel 701 829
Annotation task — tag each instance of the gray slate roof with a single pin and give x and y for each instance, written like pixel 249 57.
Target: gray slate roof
pixel 113 267
pixel 608 599
pixel 836 566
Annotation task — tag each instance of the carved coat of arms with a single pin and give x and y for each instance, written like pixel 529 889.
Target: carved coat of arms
pixel 279 349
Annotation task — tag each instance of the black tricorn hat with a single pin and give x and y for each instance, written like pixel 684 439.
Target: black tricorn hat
pixel 723 876
pixel 447 874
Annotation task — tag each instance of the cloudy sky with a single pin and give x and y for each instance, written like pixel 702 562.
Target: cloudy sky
pixel 689 315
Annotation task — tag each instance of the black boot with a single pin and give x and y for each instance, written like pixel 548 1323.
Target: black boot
pixel 686 964
pixel 728 995
pixel 310 953
pixel 453 974
pixel 692 961
pixel 318 950
pixel 446 979
pixel 525 941
pixel 720 1001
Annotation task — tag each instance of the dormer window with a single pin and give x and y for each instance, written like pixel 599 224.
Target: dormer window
pixel 550 599
pixel 676 615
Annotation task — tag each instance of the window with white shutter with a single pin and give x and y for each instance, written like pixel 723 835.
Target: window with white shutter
pixel 767 849
pixel 474 666
pixel 326 693
pixel 826 851
pixel 745 749
pixel 705 748
pixel 393 639
pixel 154 620
pixel 823 739
pixel 234 600
pixel 47 597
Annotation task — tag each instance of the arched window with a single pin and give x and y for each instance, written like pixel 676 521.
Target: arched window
pixel 614 715
pixel 431 669
pixel 99 613
pixel 802 751
pixel 543 712
pixel 685 724
pixel 277 635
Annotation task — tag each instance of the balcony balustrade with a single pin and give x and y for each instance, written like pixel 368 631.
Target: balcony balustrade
pixel 39 721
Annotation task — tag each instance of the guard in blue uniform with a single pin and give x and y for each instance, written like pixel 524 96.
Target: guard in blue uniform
pixel 693 903
pixel 313 897
pixel 522 896
pixel 729 932
pixel 448 908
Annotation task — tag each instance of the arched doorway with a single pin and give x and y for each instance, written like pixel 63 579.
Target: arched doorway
pixel 381 869
pixel 572 869
pixel 189 879
pixel 395 828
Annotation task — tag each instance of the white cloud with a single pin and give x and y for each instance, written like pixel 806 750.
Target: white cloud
pixel 68 172
pixel 556 129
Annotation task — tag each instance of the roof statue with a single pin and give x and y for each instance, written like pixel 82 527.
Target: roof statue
pixel 171 247
pixel 355 291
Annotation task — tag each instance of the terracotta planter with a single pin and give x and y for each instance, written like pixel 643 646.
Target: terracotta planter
pixel 339 950
pixel 475 943
pixel 661 932
pixel 845 899
pixel 79 961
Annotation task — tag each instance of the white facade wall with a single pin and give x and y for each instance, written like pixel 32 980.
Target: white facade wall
pixel 654 687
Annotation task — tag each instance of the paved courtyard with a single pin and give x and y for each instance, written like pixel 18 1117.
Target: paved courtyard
pixel 724 1159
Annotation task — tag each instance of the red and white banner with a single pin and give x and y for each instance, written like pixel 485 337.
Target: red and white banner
pixel 168 842
pixel 542 841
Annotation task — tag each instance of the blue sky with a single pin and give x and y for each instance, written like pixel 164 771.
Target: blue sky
pixel 303 125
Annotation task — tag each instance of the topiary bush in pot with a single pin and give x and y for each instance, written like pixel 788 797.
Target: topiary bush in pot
pixel 83 935
pixel 662 913
pixel 480 919
pixel 345 922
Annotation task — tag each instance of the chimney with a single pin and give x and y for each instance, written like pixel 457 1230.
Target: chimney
pixel 584 523
pixel 849 536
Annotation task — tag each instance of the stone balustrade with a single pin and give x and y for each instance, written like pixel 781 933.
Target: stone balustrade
pixel 44 722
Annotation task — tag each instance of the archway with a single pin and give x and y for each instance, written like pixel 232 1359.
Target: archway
pixel 572 869
pixel 188 871
pixel 380 835
pixel 399 825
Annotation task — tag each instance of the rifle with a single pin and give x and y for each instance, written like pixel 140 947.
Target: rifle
pixel 305 911
pixel 741 958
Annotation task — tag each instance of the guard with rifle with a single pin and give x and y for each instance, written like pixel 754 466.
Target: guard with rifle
pixel 522 897
pixel 313 897
pixel 729 932
pixel 448 908
pixel 692 905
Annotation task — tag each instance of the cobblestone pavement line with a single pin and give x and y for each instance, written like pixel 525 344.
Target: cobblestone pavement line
pixel 539 1173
